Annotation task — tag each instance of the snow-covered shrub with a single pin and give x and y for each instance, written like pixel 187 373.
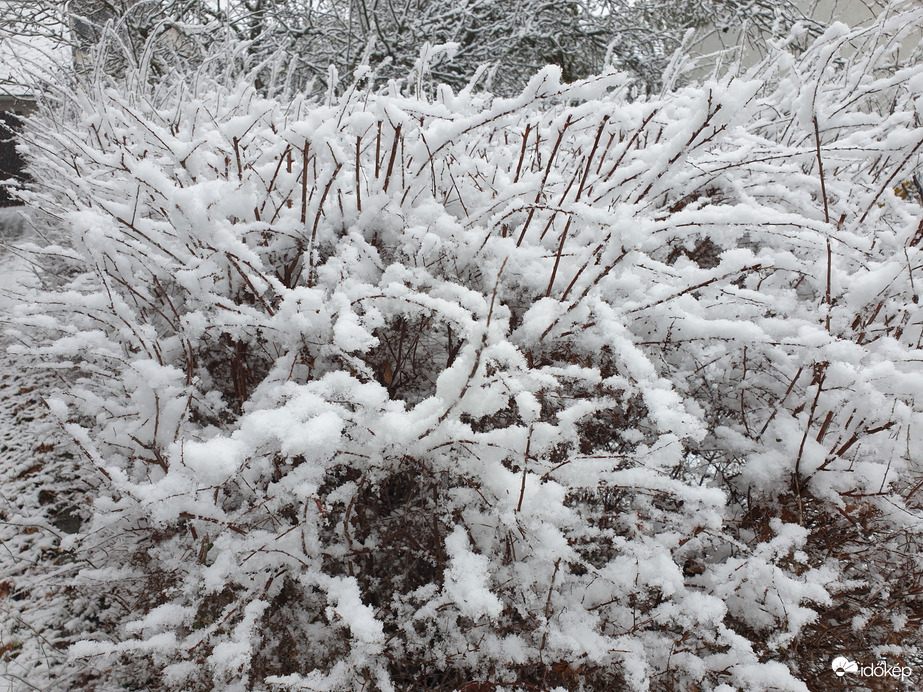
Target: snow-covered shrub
pixel 556 391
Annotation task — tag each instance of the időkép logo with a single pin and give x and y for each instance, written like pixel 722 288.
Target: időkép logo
pixel 843 666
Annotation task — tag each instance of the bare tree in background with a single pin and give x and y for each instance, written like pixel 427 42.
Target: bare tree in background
pixel 514 37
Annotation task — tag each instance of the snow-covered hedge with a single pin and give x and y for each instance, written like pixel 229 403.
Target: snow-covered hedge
pixel 549 392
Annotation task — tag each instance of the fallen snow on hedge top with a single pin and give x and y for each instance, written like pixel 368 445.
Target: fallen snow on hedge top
pixel 388 385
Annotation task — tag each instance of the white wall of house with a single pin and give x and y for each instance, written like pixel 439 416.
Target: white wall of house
pixel 854 13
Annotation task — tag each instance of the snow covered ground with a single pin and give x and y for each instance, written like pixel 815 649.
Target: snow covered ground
pixel 14 270
pixel 37 493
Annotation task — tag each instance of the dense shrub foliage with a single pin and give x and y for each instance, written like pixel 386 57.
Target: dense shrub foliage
pixel 560 391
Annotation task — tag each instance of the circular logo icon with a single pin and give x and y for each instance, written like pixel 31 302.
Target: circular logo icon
pixel 842 665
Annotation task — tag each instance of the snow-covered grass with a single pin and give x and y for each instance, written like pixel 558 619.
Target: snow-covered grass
pixel 41 497
pixel 563 391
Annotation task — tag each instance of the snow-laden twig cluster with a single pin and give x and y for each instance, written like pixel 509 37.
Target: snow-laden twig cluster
pixel 548 391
